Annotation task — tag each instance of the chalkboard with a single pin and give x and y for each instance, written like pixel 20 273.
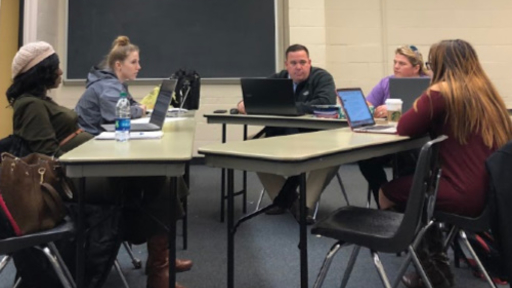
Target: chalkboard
pixel 217 38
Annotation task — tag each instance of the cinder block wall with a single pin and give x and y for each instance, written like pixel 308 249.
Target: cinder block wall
pixel 361 36
pixel 354 40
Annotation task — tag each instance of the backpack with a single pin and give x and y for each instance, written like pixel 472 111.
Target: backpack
pixel 187 90
pixel 486 249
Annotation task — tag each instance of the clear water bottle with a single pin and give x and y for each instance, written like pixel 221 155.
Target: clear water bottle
pixel 123 118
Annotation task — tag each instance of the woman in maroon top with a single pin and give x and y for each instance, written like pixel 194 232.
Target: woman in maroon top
pixel 463 104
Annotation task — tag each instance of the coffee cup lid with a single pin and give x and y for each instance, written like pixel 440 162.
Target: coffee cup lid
pixel 394 101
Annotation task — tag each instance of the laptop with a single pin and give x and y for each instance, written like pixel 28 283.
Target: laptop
pixel 157 119
pixel 269 96
pixel 408 89
pixel 358 114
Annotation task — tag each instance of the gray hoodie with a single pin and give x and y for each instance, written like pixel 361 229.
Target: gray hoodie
pixel 98 103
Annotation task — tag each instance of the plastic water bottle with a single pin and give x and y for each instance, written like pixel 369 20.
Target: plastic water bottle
pixel 123 118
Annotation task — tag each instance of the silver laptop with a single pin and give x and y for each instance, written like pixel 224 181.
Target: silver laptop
pixel 358 113
pixel 269 96
pixel 157 119
pixel 407 89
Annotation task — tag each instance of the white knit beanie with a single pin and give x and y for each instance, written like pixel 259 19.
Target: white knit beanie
pixel 29 56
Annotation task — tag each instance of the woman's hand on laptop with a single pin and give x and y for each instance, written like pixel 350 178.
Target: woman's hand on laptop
pixel 241 107
pixel 381 112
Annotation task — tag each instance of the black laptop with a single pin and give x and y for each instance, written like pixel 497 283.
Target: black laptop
pixel 269 96
pixel 407 89
pixel 157 119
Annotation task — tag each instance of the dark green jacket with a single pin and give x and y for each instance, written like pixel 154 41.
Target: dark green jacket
pixel 318 89
pixel 43 124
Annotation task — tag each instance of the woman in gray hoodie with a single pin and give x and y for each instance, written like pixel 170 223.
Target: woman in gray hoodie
pixel 97 106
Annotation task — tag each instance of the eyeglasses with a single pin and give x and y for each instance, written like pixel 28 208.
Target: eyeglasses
pixel 428 65
pixel 301 62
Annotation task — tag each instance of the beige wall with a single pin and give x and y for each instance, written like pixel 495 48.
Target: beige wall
pixel 361 36
pixel 9 17
pixel 354 40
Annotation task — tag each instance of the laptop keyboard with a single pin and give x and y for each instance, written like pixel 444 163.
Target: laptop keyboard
pixel 382 127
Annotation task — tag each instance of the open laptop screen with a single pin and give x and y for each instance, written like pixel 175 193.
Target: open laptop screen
pixel 408 89
pixel 162 102
pixel 356 109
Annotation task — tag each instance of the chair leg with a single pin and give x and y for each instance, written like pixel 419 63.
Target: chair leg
pixel 325 266
pixel 464 239
pixel 369 197
pixel 137 264
pixel 66 283
pixel 121 274
pixel 401 271
pixel 342 188
pixel 350 266
pixel 61 262
pixel 17 283
pixel 449 238
pixel 420 269
pixel 4 262
pixel 260 199
pixel 380 269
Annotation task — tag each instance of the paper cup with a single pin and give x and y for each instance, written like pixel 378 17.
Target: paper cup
pixel 394 107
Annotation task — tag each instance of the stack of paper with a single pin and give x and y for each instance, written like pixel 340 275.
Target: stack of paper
pixel 133 135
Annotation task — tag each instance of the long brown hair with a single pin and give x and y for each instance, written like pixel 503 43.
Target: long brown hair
pixel 473 103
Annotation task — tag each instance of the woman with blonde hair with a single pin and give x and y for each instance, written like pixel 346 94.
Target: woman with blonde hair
pixel 149 195
pixel 408 62
pixel 105 83
pixel 463 104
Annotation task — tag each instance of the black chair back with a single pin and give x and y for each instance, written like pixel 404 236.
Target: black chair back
pixel 424 188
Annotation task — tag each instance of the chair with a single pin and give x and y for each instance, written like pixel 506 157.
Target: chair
pixel 260 199
pixel 386 231
pixel 460 225
pixel 44 241
pixel 137 264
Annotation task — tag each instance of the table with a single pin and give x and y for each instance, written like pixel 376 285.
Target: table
pixel 304 121
pixel 296 155
pixel 167 156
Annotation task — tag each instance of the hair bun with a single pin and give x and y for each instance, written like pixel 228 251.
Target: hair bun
pixel 121 41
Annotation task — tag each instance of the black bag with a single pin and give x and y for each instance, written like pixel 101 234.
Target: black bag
pixel 14 145
pixel 187 89
pixel 487 251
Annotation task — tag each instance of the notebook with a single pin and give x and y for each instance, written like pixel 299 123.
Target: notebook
pixel 407 89
pixel 157 119
pixel 358 113
pixel 269 96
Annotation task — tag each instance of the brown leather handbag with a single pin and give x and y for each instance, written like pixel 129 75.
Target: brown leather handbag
pixel 32 187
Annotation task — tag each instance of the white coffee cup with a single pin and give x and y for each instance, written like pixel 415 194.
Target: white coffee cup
pixel 394 107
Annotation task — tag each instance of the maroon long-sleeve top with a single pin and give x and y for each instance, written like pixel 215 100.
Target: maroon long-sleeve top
pixel 464 180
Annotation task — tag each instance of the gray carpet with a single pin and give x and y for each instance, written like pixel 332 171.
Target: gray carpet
pixel 266 252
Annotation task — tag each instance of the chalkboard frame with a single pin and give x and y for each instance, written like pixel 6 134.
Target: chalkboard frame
pixel 281 42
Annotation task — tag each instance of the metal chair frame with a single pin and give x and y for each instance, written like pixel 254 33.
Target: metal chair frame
pixel 416 221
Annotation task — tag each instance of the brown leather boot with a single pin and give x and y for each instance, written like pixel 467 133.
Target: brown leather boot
pixel 157 267
pixel 182 265
pixel 158 262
